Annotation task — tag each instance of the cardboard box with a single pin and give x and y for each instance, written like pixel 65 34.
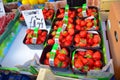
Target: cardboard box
pixel 113 31
pixel 105 4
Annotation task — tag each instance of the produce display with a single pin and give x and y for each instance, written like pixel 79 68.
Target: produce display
pixel 89 12
pixel 74 41
pixel 85 60
pixel 81 34
pixel 60 13
pixel 48 14
pixel 4 20
pixel 35 38
pixel 87 39
pixel 86 24
pixel 61 59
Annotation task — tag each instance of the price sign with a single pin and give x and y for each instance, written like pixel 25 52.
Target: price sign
pixel 34 18
pixel 2 11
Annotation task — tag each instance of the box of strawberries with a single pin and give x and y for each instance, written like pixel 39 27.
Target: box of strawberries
pixel 75 44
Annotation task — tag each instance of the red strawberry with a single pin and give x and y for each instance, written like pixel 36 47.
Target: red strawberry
pixel 97 55
pixel 51 41
pixel 79 10
pixel 96 39
pixel 61 57
pixel 27 41
pixel 83 23
pixel 82 53
pixel 89 24
pixel 46 61
pixel 67 43
pixel 78 64
pixel 78 27
pixel 61 10
pixel 84 61
pixel 57 62
pixel 89 54
pixel 83 42
pixel 70 20
pixel 90 62
pixel 78 21
pixel 83 34
pixel 69 38
pixel 90 41
pixel 64 64
pixel 64 50
pixel 65 33
pixel 98 64
pixel 28 31
pixel 39 32
pixel 71 31
pixel 77 39
pixel 48 55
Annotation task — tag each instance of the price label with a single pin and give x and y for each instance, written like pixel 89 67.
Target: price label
pixel 84 13
pixel 34 18
pixel 2 11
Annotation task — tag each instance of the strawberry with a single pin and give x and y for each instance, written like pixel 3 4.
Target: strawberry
pixel 27 41
pixel 64 50
pixel 90 62
pixel 69 38
pixel 50 41
pixel 77 39
pixel 46 61
pixel 83 23
pixel 78 27
pixel 44 33
pixel 89 54
pixel 82 53
pixel 98 64
pixel 96 39
pixel 97 55
pixel 67 43
pixel 48 55
pixel 61 10
pixel 83 34
pixel 64 64
pixel 84 60
pixel 61 57
pixel 39 32
pixel 78 21
pixel 65 33
pixel 89 24
pixel 79 10
pixel 78 64
pixel 90 42
pixel 57 62
pixel 71 31
pixel 83 42
pixel 70 20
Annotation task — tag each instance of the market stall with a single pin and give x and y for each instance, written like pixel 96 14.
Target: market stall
pixel 69 39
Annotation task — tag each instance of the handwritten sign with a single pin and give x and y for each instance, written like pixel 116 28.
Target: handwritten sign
pixel 2 11
pixel 34 18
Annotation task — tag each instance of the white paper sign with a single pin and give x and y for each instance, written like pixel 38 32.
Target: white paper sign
pixel 34 18
pixel 2 11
